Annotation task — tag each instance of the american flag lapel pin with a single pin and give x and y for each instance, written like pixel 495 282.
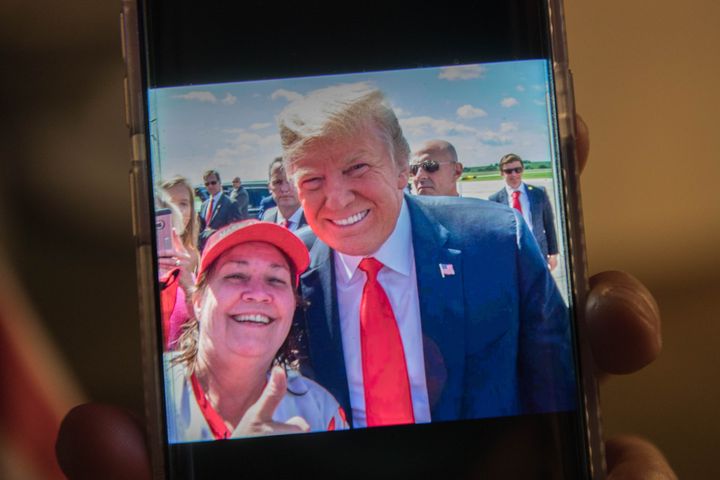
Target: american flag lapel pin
pixel 446 269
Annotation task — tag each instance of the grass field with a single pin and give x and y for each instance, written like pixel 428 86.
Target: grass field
pixel 527 174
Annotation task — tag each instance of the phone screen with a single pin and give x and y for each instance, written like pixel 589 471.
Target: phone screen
pixel 413 156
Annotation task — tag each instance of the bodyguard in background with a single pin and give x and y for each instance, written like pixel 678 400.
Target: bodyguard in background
pixel 241 197
pixel 217 211
pixel 532 202
pixel 287 211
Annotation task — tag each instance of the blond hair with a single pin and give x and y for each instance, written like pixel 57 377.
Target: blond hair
pixel 339 112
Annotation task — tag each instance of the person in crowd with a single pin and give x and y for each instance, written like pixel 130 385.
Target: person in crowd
pixel 218 210
pixel 176 271
pixel 435 169
pixel 532 202
pixel 288 211
pixel 234 373
pixel 241 197
pixel 445 305
pixel 102 441
pixel 182 196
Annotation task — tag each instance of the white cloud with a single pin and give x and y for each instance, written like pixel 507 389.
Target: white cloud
pixel 229 99
pixel 508 102
pixel 198 96
pixel 520 88
pixel 288 95
pixel 425 124
pixel 489 137
pixel 260 126
pixel 465 72
pixel 248 148
pixel 468 111
pixel 539 102
pixel 506 127
pixel 400 112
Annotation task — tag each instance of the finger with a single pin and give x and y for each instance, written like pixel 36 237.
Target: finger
pixel 272 395
pixel 102 441
pixel 623 321
pixel 299 422
pixel 582 141
pixel 177 243
pixel 634 458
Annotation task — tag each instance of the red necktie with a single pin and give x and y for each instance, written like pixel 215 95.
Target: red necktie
pixel 516 201
pixel 385 376
pixel 209 212
pixel 286 224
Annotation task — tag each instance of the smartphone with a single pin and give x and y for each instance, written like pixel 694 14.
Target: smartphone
pixel 426 315
pixel 163 229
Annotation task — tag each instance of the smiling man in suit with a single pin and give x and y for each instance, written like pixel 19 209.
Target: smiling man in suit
pixel 419 308
pixel 532 202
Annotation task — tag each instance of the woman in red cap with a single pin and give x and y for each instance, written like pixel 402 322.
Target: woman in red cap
pixel 233 374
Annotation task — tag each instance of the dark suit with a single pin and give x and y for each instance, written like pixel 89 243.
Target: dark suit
pixel 225 211
pixel 242 201
pixel 271 215
pixel 265 204
pixel 496 334
pixel 543 220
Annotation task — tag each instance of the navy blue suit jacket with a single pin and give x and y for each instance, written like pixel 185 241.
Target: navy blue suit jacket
pixel 225 211
pixel 543 220
pixel 496 334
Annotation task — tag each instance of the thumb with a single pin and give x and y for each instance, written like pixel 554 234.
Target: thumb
pixel 272 395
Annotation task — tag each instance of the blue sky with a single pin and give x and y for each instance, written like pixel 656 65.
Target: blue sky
pixel 485 110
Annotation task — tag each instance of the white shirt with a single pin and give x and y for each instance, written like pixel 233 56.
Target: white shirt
pixel 215 200
pixel 304 398
pixel 294 219
pixel 524 202
pixel 398 278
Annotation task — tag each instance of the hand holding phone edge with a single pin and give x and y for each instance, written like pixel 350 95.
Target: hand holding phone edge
pixel 102 441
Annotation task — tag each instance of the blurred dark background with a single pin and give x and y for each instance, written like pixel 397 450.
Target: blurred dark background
pixel 646 83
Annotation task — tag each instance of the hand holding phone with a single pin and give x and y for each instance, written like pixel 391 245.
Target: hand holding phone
pixel 489 336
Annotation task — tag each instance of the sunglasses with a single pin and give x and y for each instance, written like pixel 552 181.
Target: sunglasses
pixel 508 171
pixel 429 166
pixel 211 182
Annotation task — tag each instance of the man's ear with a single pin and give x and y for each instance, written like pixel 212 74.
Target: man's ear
pixel 458 170
pixel 403 176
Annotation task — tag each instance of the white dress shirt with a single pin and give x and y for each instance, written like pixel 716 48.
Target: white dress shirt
pixel 524 202
pixel 398 278
pixel 294 219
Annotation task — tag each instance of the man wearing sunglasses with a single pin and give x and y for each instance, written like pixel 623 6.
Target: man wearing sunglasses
pixel 435 169
pixel 218 210
pixel 532 202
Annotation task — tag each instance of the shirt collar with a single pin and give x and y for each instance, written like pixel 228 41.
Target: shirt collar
pixel 294 218
pixel 395 253
pixel 520 189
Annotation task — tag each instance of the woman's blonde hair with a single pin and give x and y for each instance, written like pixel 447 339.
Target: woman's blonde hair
pixel 189 235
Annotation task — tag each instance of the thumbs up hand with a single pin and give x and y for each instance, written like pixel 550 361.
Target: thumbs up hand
pixel 258 419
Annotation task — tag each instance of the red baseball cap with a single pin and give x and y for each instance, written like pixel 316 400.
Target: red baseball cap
pixel 255 231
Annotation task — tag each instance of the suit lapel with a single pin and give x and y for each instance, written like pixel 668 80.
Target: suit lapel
pixel 535 205
pixel 216 206
pixel 503 196
pixel 442 312
pixel 322 325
